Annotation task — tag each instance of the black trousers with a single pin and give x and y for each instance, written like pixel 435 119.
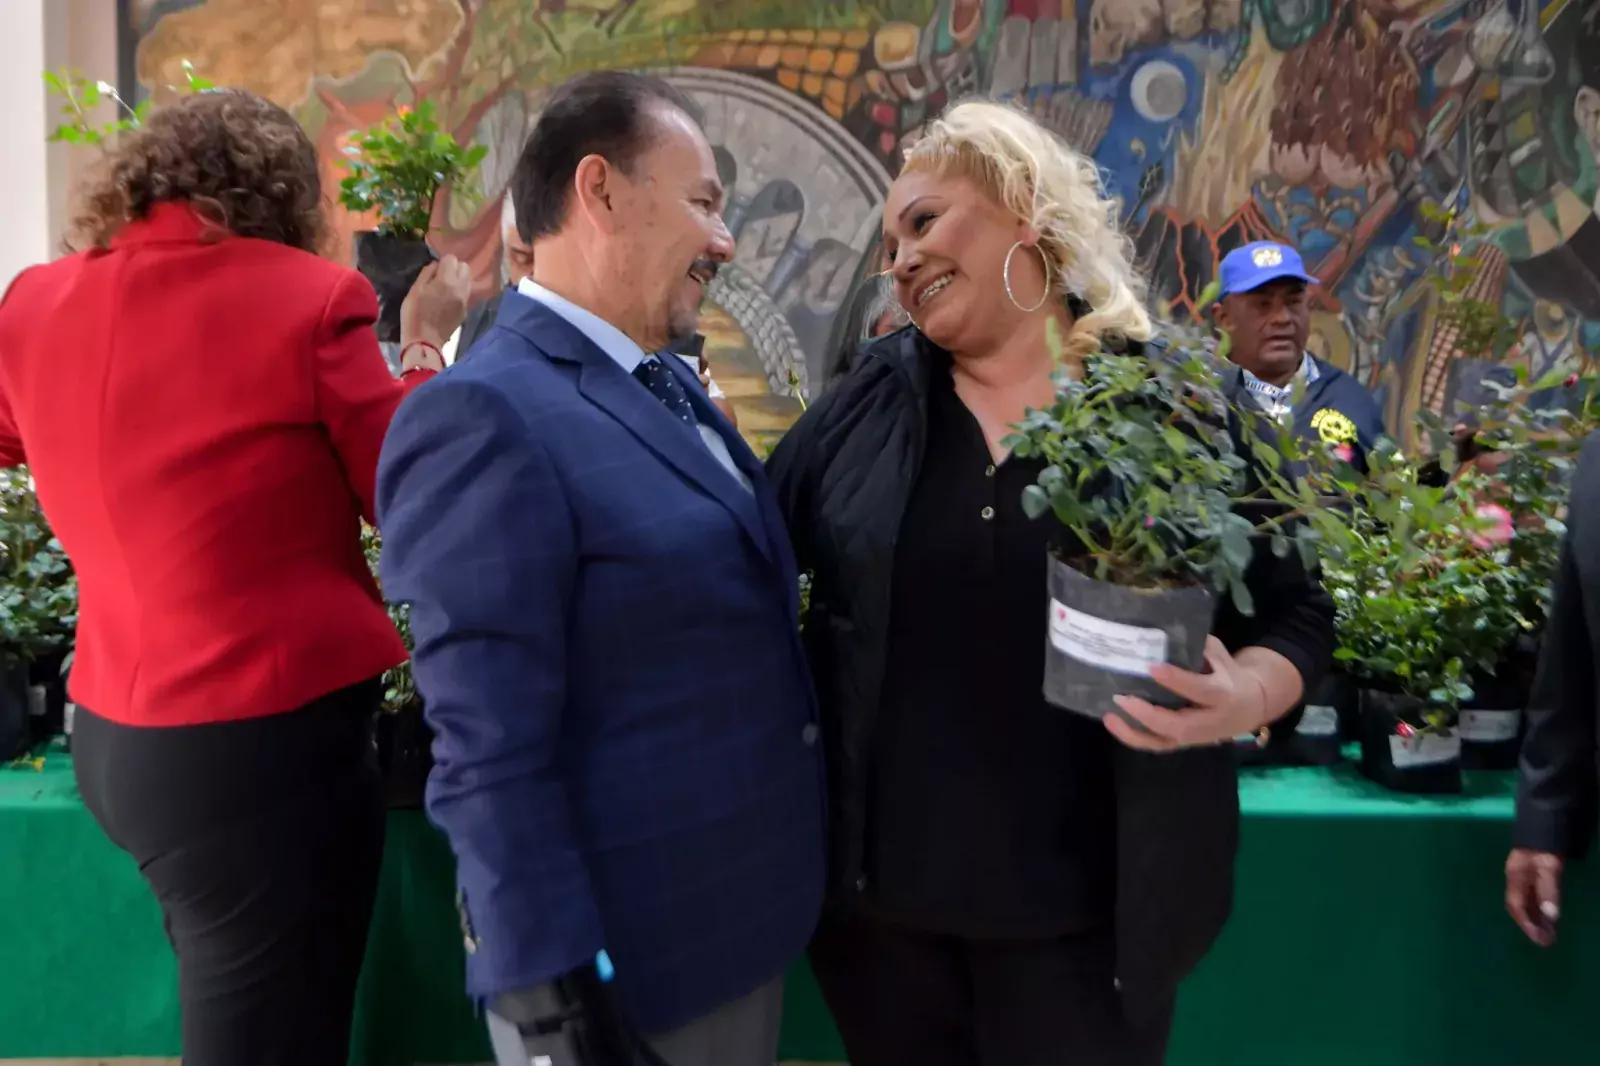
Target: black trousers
pixel 901 996
pixel 261 840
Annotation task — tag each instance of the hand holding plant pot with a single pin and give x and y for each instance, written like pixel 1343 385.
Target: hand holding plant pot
pixel 396 170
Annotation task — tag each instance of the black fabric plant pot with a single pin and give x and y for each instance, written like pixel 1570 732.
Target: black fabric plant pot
pixel 16 721
pixel 1490 723
pixel 1103 639
pixel 1426 763
pixel 47 696
pixel 392 265
pixel 1309 735
pixel 405 755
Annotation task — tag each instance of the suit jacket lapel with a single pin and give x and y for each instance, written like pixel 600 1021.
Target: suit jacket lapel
pixel 605 384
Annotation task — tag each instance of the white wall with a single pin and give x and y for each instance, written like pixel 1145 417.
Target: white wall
pixel 36 178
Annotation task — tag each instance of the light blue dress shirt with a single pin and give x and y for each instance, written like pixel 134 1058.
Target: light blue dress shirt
pixel 628 355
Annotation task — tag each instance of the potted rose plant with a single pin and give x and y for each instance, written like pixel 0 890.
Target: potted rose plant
pixel 1424 588
pixel 1524 440
pixel 396 169
pixel 38 617
pixel 402 737
pixel 1518 456
pixel 1149 487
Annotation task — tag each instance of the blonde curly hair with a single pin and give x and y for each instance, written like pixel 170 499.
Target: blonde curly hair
pixel 1060 192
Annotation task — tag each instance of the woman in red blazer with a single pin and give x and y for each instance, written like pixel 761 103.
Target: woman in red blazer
pixel 201 401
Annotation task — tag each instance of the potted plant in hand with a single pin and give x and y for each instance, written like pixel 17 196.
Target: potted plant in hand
pixel 1143 476
pixel 38 617
pixel 404 741
pixel 396 169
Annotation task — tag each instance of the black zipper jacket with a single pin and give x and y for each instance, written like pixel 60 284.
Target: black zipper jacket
pixel 843 476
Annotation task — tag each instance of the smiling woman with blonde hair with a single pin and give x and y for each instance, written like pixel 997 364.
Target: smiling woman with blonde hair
pixel 1013 884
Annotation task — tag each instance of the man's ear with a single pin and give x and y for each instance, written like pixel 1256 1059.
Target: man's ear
pixel 594 188
pixel 1220 316
pixel 1586 109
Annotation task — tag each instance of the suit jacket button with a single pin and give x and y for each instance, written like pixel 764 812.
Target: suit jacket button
pixel 809 734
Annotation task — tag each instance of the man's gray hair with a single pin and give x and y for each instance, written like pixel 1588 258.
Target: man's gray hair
pixel 881 300
pixel 508 213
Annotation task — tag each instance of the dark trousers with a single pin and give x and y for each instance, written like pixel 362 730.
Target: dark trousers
pixel 901 996
pixel 261 840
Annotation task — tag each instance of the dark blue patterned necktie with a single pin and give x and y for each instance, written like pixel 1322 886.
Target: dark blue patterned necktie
pixel 664 385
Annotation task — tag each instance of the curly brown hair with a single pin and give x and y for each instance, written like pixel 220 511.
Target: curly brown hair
pixel 241 161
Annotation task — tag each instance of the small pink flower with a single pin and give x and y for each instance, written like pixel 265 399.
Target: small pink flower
pixel 1498 527
pixel 1150 522
pixel 1345 453
pixel 1572 379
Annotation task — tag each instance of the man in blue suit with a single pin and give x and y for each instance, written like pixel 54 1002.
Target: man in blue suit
pixel 604 605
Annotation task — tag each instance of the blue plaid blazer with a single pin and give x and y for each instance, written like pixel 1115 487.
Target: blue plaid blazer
pixel 605 625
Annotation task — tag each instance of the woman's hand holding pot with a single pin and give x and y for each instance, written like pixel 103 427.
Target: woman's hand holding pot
pixel 1228 702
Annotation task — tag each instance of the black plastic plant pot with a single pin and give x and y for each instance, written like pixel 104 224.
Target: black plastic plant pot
pixel 1406 760
pixel 1103 639
pixel 16 718
pixel 405 755
pixel 1490 722
pixel 1309 735
pixel 1329 717
pixel 47 695
pixel 392 265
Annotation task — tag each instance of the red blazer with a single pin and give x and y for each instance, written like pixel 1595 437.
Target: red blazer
pixel 202 416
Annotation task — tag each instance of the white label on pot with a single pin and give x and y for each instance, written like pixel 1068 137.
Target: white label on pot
pixel 1318 721
pixel 1113 646
pixel 1424 749
pixel 1489 727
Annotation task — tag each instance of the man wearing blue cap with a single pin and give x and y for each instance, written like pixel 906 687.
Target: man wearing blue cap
pixel 1265 308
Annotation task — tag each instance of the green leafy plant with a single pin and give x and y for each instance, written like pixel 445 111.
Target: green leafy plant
pixel 1482 331
pixel 1422 579
pixel 1143 473
pixel 1525 444
pixel 397 167
pixel 38 588
pixel 399 690
pixel 80 96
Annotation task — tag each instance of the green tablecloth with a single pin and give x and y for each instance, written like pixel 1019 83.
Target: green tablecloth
pixel 1368 929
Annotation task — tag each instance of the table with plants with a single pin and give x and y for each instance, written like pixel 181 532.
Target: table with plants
pixel 1368 923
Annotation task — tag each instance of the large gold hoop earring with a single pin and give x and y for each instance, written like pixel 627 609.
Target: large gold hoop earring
pixel 1005 274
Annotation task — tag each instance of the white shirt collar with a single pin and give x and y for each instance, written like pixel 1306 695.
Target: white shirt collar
pixel 1278 396
pixel 611 340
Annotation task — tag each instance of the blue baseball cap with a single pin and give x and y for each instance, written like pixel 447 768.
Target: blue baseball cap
pixel 1254 265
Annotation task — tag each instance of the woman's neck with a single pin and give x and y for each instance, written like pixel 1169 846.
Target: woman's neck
pixel 1021 363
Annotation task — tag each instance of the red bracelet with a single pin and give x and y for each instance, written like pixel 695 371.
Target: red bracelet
pixel 420 344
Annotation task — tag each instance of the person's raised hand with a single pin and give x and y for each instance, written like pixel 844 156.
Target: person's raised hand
pixel 437 303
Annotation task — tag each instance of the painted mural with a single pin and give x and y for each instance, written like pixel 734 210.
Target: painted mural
pixel 1334 125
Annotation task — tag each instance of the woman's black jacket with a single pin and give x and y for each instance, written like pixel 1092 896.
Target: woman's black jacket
pixel 843 476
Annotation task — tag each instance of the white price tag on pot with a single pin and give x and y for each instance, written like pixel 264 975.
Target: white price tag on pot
pixel 1424 749
pixel 1113 646
pixel 1489 727
pixel 1318 721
